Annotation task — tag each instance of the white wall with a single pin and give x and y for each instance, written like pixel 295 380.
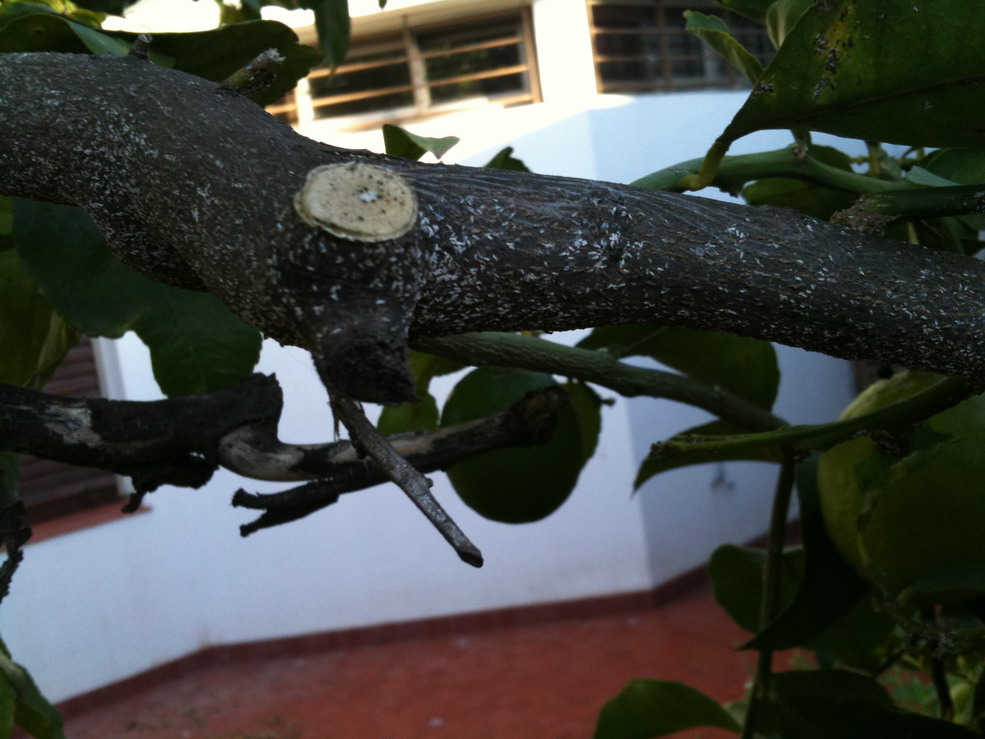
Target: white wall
pixel 101 604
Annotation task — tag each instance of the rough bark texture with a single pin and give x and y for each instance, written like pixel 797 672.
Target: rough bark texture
pixel 181 441
pixel 194 185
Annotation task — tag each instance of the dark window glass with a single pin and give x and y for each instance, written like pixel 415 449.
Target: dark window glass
pixel 402 74
pixel 643 46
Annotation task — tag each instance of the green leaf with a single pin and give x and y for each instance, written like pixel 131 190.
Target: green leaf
pixel 196 344
pixel 32 712
pixel 746 367
pixel 819 202
pixel 836 704
pixel 653 708
pixel 667 455
pixel 587 405
pixel 754 10
pixel 504 159
pixel 714 32
pixel 332 22
pixel 216 54
pixel 782 16
pixel 68 10
pixel 10 472
pixel 34 338
pixel 6 215
pixel 100 43
pixel 737 578
pixel 828 611
pixel 409 416
pixel 400 142
pixel 40 32
pixel 805 196
pixel 899 71
pixel 961 166
pixel 112 7
pixel 966 578
pixel 517 485
pixel 424 414
pixel 213 55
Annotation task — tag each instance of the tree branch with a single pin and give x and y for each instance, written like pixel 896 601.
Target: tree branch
pixel 525 352
pixel 181 441
pixel 196 186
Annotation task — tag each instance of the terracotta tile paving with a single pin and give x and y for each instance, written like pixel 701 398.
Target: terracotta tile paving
pixel 540 681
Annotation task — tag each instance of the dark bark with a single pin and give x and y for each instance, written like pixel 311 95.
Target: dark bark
pixel 162 442
pixel 181 441
pixel 194 184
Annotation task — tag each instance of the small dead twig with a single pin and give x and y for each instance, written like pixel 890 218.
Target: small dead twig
pixel 413 483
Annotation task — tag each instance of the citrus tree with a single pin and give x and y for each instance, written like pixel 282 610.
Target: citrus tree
pixel 146 190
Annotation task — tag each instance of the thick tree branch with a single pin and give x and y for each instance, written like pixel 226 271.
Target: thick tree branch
pixel 195 185
pixel 171 442
pixel 181 441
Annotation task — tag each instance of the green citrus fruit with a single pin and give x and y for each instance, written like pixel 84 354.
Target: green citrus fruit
pixel 520 484
pixel 912 523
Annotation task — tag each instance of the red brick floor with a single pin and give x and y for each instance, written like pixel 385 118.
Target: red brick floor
pixel 541 681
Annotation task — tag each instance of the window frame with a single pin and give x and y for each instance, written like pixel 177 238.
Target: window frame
pixel 665 80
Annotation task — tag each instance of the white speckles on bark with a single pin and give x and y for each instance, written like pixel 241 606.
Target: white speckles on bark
pixel 489 250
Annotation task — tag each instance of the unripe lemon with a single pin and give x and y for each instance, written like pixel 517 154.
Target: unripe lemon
pixel 917 517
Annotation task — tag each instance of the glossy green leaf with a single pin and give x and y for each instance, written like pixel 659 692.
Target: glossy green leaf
pixel 504 159
pixel 32 712
pixel 423 414
pixel 517 485
pixel 746 367
pixel 666 455
pixel 196 344
pixel 782 16
pixel 900 71
pixel 34 338
pixel 333 24
pixel 714 32
pixel 100 43
pixel 402 143
pixel 654 708
pixel 837 704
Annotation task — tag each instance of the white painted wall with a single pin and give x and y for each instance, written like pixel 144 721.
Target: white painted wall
pixel 104 603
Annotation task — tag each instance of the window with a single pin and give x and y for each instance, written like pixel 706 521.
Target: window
pixel 49 489
pixel 419 71
pixel 642 46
